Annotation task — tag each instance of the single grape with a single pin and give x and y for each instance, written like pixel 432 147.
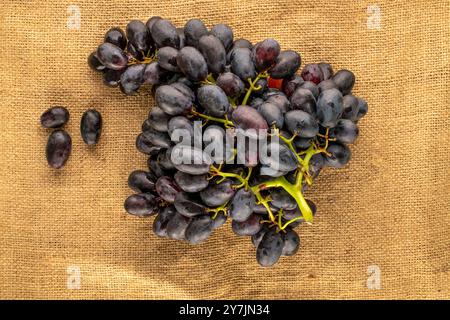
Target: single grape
pixel 154 74
pixel 303 99
pixel 269 249
pixel 291 242
pixel 172 101
pixel 279 157
pixel 111 78
pixel 248 227
pixel 301 123
pixel 312 72
pixel 141 181
pixel 190 160
pixel 224 33
pixel 132 79
pixel 199 229
pixel 231 84
pixel 272 114
pixel 176 227
pixel 362 109
pixel 245 118
pixel 55 117
pixel 326 84
pixel 94 63
pixel 138 35
pixel 194 29
pixel 59 146
pixel 188 206
pixel 191 183
pixel 214 100
pixel 256 102
pixel 286 65
pixel 164 34
pixel 242 63
pixel 111 56
pixel 158 139
pixel 91 126
pixel 302 143
pixel 327 70
pixel 329 107
pixel 150 22
pixel 192 64
pixel 242 204
pixel 315 165
pixel 185 89
pixel 344 80
pixel 265 54
pixel 180 127
pixel 158 120
pixel 339 155
pixel 282 200
pixel 164 161
pixel 162 219
pixel 217 194
pixel 350 106
pixel 214 52
pixel 142 205
pixel 346 131
pixel 167 59
pixel 257 237
pixel 167 189
pixel 144 145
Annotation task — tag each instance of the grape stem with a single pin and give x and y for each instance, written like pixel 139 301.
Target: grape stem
pixel 225 120
pixel 253 86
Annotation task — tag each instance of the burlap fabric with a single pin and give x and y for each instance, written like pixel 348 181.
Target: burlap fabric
pixel 389 209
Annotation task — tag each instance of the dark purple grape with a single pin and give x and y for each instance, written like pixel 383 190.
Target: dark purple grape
pixel 286 65
pixel 91 126
pixel 158 139
pixel 289 215
pixel 311 87
pixel 224 33
pixel 282 200
pixel 214 52
pixel 132 79
pixel 182 37
pixel 162 219
pixel 59 146
pixel 94 63
pixel 291 242
pixel 199 229
pixel 231 84
pixel 164 34
pixel 150 22
pixel 249 227
pixel 214 140
pixel 154 166
pixel 256 102
pixel 327 70
pixel 194 29
pixel 217 194
pixel 219 220
pixel 339 155
pixel 312 72
pixel 242 204
pixel 164 161
pixel 158 120
pixel 55 117
pixel 245 118
pixel 142 205
pixel 190 160
pixel 184 89
pixel 172 101
pixel 315 165
pixel 111 56
pixel 192 64
pixel 257 237
pixel 350 106
pixel 111 78
pixel 144 145
pixel 187 206
pixel 166 188
pixel 242 64
pixel 191 183
pixel 167 59
pixel 346 131
pixel 279 158
pixel 362 108
pixel 269 249
pixel 176 227
pixel 133 53
pixel 242 43
pixel 214 100
pixel 141 181
pixel 180 127
pixel 326 84
pixel 289 85
pixel 303 99
pixel 301 123
pixel 154 74
pixel 302 143
pixel 265 54
pixel 261 86
pixel 329 107
pixel 272 114
pixel 138 35
pixel 344 80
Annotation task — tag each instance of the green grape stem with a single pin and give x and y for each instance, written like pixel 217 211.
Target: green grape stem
pixel 253 86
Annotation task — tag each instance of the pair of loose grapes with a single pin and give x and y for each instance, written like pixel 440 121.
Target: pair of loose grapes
pixel 205 75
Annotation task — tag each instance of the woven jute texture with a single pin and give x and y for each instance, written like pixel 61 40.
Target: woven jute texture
pixel 387 213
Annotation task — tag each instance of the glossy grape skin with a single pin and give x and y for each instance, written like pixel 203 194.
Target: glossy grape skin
pixel 132 79
pixel 286 65
pixel 316 164
pixel 286 160
pixel 164 34
pixel 188 206
pixel 289 85
pixel 94 63
pixel 346 131
pixel 199 229
pixel 327 70
pixel 329 107
pixel 303 99
pixel 154 74
pixel 161 221
pixel 194 29
pixel 141 181
pixel 176 227
pixel 242 64
pixel 111 78
pixel 215 144
pixel 150 22
pixel 289 215
pixel 142 205
pixel 326 84
pixel 158 139
pixel 248 227
pixel 197 162
pixel 191 183
pixel 133 53
pixel 224 33
pixel 91 126
pixel 144 145
pixel 172 101
pixel 217 194
pixel 269 249
pixel 158 120
pixel 242 43
pixel 339 155
pixel 280 100
pixel 242 204
pixel 350 106
pixel 214 52
pixel 231 84
pixel 282 200
pixel 167 59
pixel 185 89
pixel 58 149
pixel 192 63
pixel 291 242
pixel 302 123
pixel 180 125
pixel 344 80
pixel 219 220
pixel 246 117
pixel 265 54
pixel 166 188
pixel 55 117
pixel 154 166
pixel 214 100
pixel 138 35
pixel 270 172
pixel 363 108
pixel 257 237
pixel 272 114
pixel 111 56
pixel 164 161
pixel 312 72
pixel 311 87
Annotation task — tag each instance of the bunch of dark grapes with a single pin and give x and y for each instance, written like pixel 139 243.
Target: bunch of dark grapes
pixel 230 86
